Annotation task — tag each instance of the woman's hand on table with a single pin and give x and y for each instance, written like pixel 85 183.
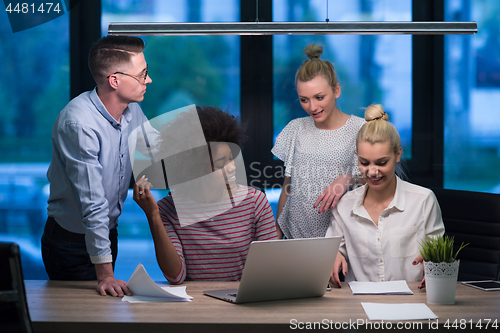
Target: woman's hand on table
pixel 340 263
pixel 415 262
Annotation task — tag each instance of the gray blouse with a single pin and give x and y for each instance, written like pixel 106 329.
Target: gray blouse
pixel 313 159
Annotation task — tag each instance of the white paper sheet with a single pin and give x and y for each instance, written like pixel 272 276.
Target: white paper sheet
pixel 144 289
pixel 385 287
pixel 402 311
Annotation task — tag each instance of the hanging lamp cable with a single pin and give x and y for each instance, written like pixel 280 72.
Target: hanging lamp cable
pixel 257 11
pixel 327 20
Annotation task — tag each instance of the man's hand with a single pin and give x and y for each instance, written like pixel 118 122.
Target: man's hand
pixel 106 282
pixel 113 287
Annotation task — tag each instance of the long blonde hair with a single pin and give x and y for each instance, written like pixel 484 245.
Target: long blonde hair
pixel 316 66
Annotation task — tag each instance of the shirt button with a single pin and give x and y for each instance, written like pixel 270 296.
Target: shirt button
pixel 381 260
pixel 378 239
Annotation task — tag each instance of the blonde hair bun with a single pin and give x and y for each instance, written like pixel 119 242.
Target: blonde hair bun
pixel 316 66
pixel 313 51
pixel 378 129
pixel 376 112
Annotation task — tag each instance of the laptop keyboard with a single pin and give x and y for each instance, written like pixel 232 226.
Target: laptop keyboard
pixel 231 294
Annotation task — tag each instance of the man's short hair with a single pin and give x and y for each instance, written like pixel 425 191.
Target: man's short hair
pixel 111 51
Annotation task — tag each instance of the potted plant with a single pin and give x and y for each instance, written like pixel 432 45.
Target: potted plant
pixel 441 269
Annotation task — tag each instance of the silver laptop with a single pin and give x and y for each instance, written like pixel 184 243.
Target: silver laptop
pixel 284 269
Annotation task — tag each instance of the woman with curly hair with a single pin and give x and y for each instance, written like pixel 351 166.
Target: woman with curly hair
pixel 203 230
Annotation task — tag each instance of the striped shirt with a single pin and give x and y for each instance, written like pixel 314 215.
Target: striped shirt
pixel 216 248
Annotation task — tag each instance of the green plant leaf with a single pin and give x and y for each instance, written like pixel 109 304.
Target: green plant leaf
pixel 439 249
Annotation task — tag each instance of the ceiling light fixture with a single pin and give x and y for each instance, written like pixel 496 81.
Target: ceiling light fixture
pixel 293 28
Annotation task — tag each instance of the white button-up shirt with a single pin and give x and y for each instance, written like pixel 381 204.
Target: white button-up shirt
pixel 385 252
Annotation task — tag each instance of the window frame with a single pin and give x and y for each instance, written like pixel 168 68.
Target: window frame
pixel 426 166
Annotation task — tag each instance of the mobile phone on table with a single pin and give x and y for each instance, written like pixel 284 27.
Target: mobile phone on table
pixel 484 285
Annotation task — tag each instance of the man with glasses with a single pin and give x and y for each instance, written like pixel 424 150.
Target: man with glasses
pixel 90 170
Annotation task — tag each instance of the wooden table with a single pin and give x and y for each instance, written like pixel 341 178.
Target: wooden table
pixel 65 306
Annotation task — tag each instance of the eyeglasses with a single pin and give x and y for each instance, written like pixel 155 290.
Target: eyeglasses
pixel 140 78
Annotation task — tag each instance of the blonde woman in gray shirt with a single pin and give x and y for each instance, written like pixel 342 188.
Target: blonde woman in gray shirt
pixel 317 150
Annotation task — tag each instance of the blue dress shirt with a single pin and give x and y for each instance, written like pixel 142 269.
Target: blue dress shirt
pixel 90 170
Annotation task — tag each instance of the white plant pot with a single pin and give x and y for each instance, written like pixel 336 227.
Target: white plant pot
pixel 441 281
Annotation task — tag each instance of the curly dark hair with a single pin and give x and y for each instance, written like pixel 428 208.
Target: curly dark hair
pixel 220 126
pixel 217 126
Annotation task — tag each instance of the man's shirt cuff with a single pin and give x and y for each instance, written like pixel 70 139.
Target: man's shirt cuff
pixel 102 259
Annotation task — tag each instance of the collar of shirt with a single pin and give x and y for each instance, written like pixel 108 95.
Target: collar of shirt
pixel 398 202
pixel 126 115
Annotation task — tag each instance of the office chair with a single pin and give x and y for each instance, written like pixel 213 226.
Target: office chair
pixel 14 315
pixel 473 217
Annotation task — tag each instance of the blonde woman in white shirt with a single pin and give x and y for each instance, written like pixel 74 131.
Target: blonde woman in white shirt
pixel 382 222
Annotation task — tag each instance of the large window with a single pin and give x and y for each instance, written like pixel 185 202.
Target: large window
pixel 34 87
pixel 201 70
pixel 472 99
